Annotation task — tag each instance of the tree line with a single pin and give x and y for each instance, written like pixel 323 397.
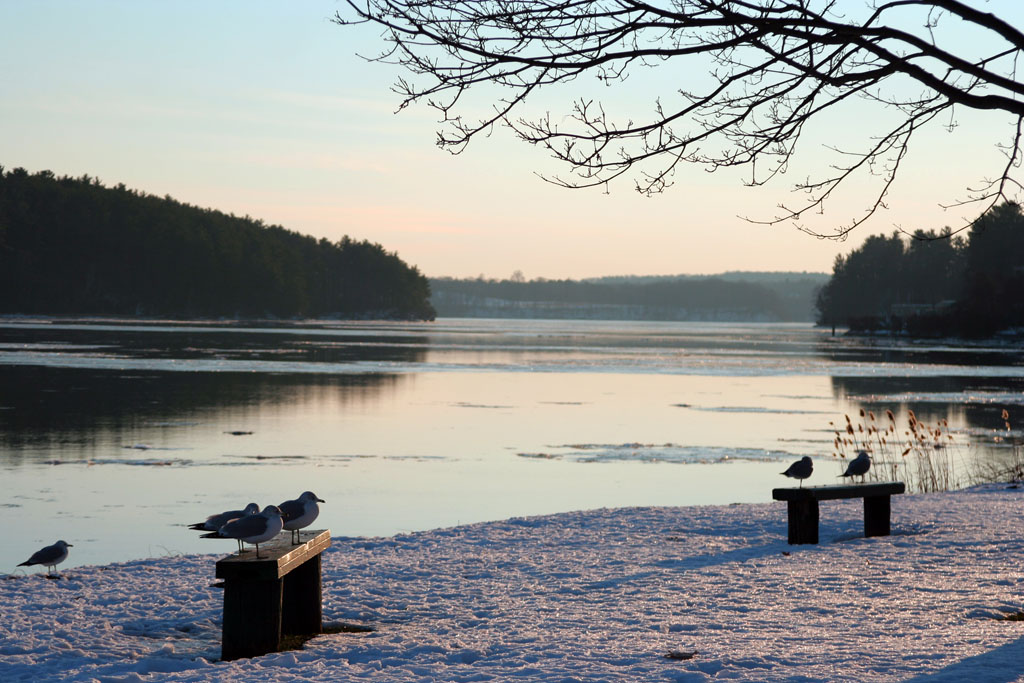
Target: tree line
pixel 725 297
pixel 73 246
pixel 932 283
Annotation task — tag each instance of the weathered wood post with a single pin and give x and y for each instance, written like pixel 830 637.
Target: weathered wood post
pixel 876 515
pixel 278 594
pixel 802 505
pixel 302 599
pixel 803 521
pixel 252 618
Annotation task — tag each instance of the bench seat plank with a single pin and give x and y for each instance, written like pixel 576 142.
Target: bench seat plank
pixel 277 557
pixel 885 488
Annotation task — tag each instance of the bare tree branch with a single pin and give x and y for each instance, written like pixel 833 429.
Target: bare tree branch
pixel 760 72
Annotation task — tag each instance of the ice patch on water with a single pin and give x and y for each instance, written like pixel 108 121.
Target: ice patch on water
pixel 149 462
pixel 751 409
pixel 464 404
pixel 996 438
pixel 656 453
pixel 275 457
pixel 148 447
pixel 956 397
pixel 721 364
pixel 51 346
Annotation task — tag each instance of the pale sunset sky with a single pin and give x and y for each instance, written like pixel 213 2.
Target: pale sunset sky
pixel 264 109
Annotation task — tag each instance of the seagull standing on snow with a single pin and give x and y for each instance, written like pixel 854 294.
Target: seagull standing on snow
pixel 300 513
pixel 859 466
pixel 801 469
pixel 50 556
pixel 215 522
pixel 254 529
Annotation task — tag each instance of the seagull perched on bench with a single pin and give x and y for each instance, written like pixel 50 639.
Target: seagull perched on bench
pixel 214 522
pixel 49 557
pixel 801 469
pixel 859 466
pixel 254 529
pixel 300 513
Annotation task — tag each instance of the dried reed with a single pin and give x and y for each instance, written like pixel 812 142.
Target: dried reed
pixel 1007 466
pixel 921 455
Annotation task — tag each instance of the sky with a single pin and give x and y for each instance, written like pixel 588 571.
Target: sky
pixel 266 109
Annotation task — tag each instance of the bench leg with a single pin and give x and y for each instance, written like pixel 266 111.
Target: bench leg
pixel 252 618
pixel 303 600
pixel 803 521
pixel 876 515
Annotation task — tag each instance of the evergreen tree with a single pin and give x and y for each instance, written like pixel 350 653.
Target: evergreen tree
pixel 73 246
pixel 933 283
pixel 994 277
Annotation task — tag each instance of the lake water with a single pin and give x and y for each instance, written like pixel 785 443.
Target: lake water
pixel 114 435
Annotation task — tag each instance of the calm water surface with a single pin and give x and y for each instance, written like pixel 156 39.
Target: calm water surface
pixel 114 436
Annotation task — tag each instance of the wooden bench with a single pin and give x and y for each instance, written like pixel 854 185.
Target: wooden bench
pixel 803 507
pixel 278 594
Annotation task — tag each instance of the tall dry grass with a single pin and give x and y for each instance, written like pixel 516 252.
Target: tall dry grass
pixel 927 457
pixel 1005 466
pixel 921 455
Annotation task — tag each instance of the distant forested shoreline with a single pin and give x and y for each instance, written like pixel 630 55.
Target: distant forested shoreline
pixel 73 246
pixel 729 297
pixel 933 283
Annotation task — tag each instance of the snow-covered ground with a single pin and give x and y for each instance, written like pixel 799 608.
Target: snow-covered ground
pixel 601 595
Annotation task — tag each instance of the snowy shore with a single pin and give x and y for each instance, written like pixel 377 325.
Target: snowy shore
pixel 600 595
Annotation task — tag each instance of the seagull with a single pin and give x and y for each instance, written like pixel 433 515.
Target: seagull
pixel 254 529
pixel 214 522
pixel 801 469
pixel 859 466
pixel 50 556
pixel 300 513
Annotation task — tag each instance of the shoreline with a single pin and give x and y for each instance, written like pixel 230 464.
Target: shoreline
pixel 225 322
pixel 1010 338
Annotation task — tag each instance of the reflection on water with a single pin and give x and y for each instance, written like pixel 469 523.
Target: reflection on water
pixel 50 412
pixel 115 436
pixel 970 402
